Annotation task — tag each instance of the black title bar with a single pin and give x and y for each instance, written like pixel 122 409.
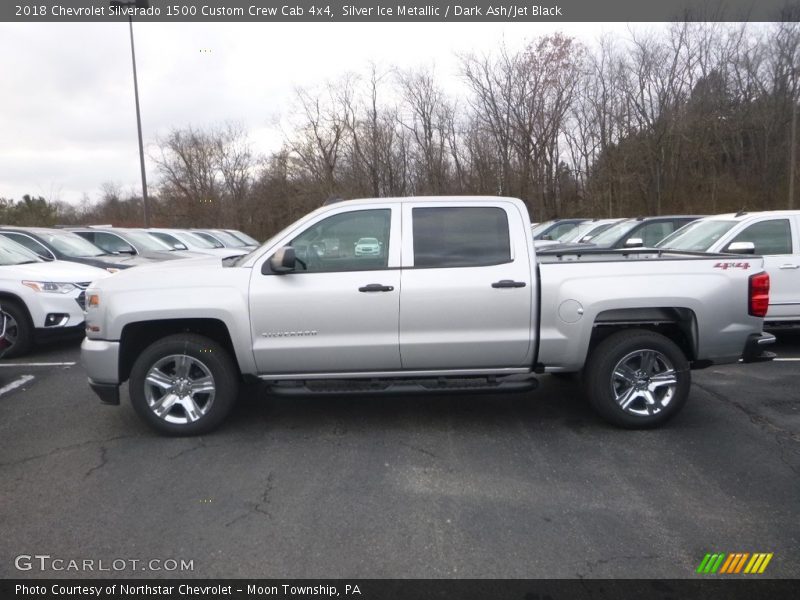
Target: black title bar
pixel 401 589
pixel 393 11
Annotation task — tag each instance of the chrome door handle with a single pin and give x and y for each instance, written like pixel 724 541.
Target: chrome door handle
pixel 789 266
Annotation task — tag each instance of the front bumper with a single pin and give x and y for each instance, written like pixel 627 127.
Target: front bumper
pixel 49 334
pixel 100 358
pixel 754 348
pixel 56 312
pixel 107 392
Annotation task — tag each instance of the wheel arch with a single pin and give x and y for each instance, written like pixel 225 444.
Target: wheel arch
pixel 675 323
pixel 11 297
pixel 137 336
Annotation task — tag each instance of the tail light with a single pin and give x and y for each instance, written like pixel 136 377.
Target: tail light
pixel 758 295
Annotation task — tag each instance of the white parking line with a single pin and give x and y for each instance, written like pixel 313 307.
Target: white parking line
pixel 40 364
pixel 15 384
pixel 786 359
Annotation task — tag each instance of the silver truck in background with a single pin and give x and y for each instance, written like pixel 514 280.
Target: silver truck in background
pixel 452 299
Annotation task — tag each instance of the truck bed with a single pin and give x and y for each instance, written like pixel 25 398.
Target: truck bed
pixel 704 294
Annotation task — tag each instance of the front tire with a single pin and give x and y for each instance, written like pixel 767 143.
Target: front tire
pixel 637 379
pixel 184 384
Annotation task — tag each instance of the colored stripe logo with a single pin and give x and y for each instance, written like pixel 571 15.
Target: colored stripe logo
pixel 734 563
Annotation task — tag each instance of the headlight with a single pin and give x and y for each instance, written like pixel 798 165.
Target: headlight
pixel 50 287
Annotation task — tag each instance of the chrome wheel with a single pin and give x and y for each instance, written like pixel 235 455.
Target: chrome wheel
pixel 179 389
pixel 644 382
pixel 11 329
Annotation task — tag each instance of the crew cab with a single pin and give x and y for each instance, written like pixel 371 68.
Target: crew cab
pixel 455 302
pixel 775 235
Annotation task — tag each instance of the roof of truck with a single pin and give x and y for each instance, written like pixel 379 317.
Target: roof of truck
pixel 744 215
pixel 430 199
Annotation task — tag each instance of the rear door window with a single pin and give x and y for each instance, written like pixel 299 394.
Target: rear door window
pixel 460 236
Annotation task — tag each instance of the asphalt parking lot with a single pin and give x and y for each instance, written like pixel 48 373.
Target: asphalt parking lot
pixel 529 485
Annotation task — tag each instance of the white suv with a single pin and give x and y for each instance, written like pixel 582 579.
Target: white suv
pixel 39 299
pixel 774 234
pixel 368 247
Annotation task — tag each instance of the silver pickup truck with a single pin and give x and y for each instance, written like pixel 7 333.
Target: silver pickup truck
pixel 450 298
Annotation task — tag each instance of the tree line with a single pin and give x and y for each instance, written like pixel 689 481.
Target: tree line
pixel 699 118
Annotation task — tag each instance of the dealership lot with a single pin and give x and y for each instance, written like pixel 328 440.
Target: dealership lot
pixel 529 485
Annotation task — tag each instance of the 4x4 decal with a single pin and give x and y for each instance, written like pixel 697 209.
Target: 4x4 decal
pixel 732 265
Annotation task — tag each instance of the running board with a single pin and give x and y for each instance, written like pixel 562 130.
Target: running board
pixel 440 385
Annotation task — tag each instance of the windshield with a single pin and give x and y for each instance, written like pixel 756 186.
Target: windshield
pixel 72 245
pixel 209 238
pixel 168 238
pixel 145 241
pixel 12 253
pixel 227 239
pixel 245 238
pixel 698 236
pixel 589 235
pixel 540 228
pixel 193 240
pixel 613 233
pixel 573 235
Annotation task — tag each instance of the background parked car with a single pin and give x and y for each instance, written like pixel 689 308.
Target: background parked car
pixel 551 230
pixel 775 235
pixel 180 239
pixel 368 246
pixel 41 299
pixel 131 241
pixel 587 230
pixel 224 239
pixel 250 241
pixel 632 233
pixel 58 244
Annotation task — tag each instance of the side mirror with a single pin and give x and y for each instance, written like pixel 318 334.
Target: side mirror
pixel 126 250
pixel 282 262
pixel 741 248
pixel 634 243
pixel 179 246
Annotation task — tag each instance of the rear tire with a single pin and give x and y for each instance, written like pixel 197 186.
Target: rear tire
pixel 184 384
pixel 19 330
pixel 637 379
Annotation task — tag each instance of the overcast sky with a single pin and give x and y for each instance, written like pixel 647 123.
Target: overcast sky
pixel 67 119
